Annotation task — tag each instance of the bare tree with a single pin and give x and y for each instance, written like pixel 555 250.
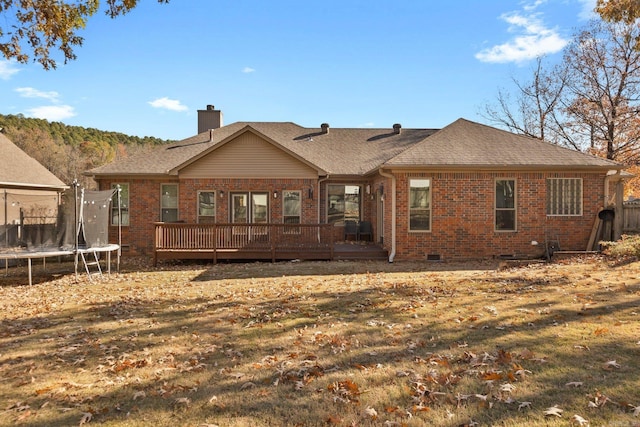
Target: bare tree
pixel 589 102
pixel 533 111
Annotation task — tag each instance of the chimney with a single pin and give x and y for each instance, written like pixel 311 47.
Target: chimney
pixel 209 119
pixel 396 128
pixel 325 127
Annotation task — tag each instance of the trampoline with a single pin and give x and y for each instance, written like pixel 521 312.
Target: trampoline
pixel 45 224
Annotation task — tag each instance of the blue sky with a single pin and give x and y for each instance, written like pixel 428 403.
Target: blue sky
pixel 349 63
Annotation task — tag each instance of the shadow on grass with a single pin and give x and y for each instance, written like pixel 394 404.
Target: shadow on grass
pixel 295 352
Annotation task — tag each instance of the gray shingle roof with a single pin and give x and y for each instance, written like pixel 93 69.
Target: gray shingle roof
pixel 358 151
pixel 19 170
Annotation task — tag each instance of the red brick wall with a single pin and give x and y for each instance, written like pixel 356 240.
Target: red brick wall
pixel 462 225
pixel 462 216
pixel 144 204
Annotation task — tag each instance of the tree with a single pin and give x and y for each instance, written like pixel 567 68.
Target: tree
pixel 626 11
pixel 589 102
pixel 32 29
pixel 602 98
pixel 533 112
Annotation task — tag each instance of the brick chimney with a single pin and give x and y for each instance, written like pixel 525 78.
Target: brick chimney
pixel 209 119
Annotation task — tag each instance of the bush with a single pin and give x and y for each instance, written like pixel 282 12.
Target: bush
pixel 627 246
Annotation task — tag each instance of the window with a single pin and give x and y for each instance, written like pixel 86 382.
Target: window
pixel 505 205
pixel 291 208
pixel 257 212
pixel 343 203
pixel 124 204
pixel 419 205
pixel 169 203
pixel 564 196
pixel 206 206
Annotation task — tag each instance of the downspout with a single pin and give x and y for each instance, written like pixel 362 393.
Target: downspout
pixel 618 211
pixel 392 255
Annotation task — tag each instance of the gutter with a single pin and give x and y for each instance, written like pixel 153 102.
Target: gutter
pixel 392 255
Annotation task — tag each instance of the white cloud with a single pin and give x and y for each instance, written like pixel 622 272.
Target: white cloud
pixel 7 69
pixel 248 70
pixel 52 113
pixel 532 40
pixel 168 104
pixel 29 92
pixel 588 10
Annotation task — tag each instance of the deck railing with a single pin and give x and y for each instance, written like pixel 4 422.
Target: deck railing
pixel 268 241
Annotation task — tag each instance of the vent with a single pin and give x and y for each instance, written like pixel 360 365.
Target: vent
pixel 434 257
pixel 396 128
pixel 325 127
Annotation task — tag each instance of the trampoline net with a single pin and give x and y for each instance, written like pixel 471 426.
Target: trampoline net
pixel 95 212
pixel 40 221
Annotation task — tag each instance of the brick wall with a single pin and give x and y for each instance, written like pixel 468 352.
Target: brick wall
pixel 462 216
pixel 144 204
pixel 462 212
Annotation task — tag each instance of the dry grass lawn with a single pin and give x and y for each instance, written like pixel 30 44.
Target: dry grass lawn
pixel 323 343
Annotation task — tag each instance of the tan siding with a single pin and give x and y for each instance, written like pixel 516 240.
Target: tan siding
pixel 248 156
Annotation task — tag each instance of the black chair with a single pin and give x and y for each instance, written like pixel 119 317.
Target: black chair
pixel 365 229
pixel 350 229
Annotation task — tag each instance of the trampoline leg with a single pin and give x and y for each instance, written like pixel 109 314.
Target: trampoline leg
pixel 30 276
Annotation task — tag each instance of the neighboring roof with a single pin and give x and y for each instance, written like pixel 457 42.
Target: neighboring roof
pixel 19 170
pixel 465 144
pixel 359 151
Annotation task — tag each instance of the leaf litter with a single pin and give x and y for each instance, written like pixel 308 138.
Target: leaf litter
pixel 352 343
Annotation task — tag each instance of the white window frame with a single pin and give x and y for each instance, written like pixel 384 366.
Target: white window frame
pixel 562 199
pixel 124 203
pixel 209 218
pixel 163 207
pixel 513 209
pixel 427 209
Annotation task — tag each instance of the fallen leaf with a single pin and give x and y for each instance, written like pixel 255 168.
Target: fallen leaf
pixel 611 364
pixel 86 418
pixel 371 413
pixel 553 411
pixel 574 384
pixel 577 419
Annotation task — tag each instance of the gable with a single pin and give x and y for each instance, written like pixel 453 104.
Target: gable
pixel 247 156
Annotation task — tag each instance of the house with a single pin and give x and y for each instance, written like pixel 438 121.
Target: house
pixel 465 191
pixel 30 195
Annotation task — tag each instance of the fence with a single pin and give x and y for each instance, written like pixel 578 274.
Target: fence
pixel 631 215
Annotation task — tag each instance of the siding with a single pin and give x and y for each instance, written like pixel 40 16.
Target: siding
pixel 248 156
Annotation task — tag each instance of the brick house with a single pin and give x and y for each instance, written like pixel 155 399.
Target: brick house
pixel 465 191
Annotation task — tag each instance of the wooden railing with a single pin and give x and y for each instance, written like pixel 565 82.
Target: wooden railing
pixel 249 241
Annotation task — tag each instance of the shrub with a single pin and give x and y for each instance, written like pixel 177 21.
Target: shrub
pixel 627 246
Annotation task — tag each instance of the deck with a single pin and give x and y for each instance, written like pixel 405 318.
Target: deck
pixel 272 242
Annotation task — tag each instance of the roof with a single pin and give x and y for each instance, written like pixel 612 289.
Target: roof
pixel 19 170
pixel 466 144
pixel 359 151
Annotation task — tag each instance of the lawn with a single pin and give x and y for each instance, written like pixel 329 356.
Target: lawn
pixel 323 343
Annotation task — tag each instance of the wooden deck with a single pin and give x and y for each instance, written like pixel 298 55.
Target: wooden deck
pixel 257 242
